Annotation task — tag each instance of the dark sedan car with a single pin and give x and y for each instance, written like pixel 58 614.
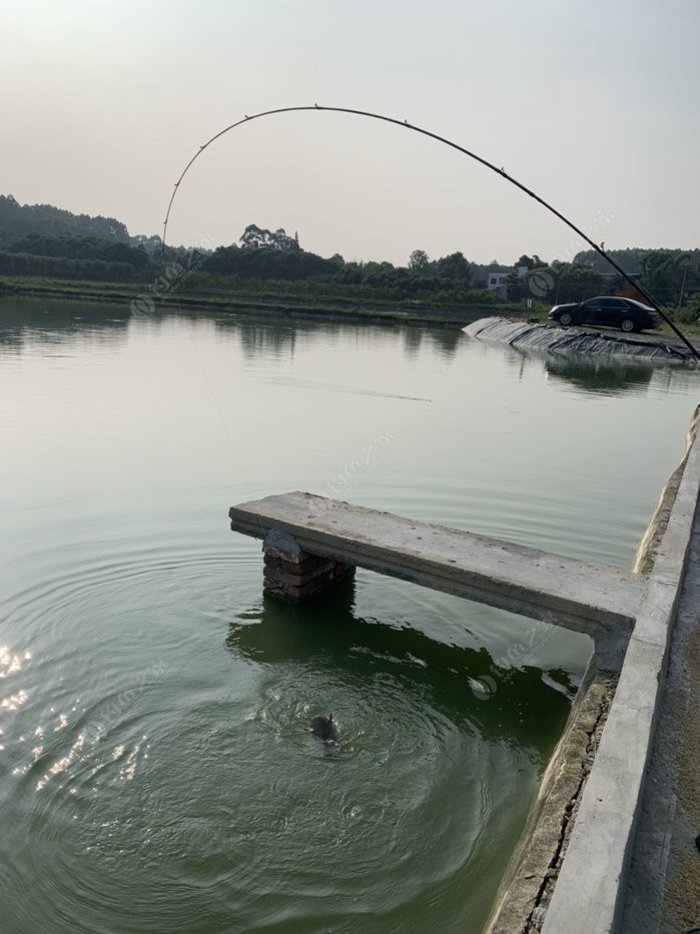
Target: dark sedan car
pixel 614 312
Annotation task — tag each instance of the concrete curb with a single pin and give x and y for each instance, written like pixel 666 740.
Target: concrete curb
pixel 588 893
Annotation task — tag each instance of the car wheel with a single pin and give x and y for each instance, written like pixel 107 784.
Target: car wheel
pixel 565 320
pixel 627 325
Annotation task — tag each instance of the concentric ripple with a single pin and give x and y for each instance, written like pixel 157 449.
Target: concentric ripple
pixel 186 792
pixel 157 771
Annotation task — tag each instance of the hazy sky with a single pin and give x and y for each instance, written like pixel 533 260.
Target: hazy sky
pixel 593 104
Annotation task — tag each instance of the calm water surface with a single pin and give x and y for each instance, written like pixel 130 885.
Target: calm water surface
pixel 156 771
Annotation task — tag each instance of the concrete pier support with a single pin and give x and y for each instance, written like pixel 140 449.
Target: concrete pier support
pixel 294 575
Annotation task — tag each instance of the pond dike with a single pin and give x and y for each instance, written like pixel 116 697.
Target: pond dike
pixel 609 842
pixel 552 338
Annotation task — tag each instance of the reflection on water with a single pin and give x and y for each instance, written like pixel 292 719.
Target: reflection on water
pixel 447 340
pixel 600 375
pixel 157 772
pixel 464 683
pixel 412 340
pixel 56 321
pixel 258 339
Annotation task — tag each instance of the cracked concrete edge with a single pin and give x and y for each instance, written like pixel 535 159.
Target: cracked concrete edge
pixel 527 886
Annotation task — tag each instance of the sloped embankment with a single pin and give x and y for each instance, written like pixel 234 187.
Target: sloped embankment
pixel 554 339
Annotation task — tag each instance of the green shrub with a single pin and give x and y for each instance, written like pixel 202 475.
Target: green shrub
pixel 690 313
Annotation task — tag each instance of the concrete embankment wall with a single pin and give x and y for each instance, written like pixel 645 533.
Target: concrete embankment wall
pixel 570 870
pixel 528 885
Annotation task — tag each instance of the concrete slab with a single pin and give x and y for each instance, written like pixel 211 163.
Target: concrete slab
pixel 588 598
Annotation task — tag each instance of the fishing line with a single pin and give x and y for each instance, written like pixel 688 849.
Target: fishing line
pixel 221 416
pixel 447 142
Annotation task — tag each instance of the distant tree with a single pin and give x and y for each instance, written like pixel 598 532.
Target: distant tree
pixel 418 259
pixel 574 283
pixel 629 259
pixel 669 273
pixel 254 237
pixel 530 262
pixel 454 268
pixel 18 220
pixel 152 244
pixel 81 248
pixel 26 264
pixel 537 282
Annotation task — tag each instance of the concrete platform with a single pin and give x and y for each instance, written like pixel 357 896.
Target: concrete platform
pixel 597 600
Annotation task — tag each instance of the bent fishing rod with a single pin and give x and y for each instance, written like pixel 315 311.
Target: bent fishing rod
pixel 447 142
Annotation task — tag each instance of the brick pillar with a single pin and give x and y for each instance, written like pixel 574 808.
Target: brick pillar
pixel 292 574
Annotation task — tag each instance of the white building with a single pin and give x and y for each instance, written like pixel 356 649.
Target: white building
pixel 498 282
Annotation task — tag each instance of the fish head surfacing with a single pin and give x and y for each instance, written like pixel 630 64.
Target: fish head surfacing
pixel 325 728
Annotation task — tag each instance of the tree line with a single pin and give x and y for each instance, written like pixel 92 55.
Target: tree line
pixel 18 220
pixel 44 241
pixel 74 257
pixel 668 274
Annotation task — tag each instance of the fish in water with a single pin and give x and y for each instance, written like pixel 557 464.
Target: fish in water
pixel 325 728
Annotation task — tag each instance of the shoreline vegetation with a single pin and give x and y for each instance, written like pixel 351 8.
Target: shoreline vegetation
pixel 283 305
pixel 309 307
pixel 47 251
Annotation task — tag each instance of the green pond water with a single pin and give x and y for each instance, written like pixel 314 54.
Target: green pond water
pixel 156 770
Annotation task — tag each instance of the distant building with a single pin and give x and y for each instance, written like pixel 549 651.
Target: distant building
pixel 498 282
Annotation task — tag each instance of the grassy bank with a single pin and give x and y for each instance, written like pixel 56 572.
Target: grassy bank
pixel 335 308
pixel 280 304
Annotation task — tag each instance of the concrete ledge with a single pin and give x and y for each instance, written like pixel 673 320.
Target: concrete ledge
pixel 587 897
